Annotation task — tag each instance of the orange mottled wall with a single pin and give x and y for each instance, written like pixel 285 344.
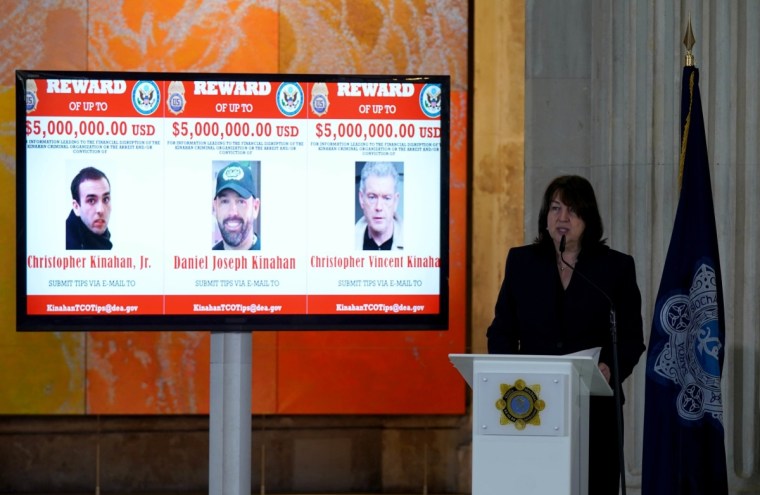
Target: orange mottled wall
pixel 394 372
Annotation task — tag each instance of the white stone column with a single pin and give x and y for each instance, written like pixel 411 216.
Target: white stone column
pixel 603 100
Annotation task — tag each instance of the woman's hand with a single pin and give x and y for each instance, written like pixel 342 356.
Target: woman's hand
pixel 605 371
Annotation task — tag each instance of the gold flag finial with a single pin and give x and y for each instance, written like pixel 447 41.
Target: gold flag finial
pixel 688 42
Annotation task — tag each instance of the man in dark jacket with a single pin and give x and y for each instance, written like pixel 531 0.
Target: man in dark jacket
pixel 87 224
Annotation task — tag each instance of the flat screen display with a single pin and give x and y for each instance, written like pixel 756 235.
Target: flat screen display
pixel 231 202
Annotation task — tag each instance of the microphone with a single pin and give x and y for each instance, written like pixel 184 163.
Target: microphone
pixel 615 366
pixel 562 244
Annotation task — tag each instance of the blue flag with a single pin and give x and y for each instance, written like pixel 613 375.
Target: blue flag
pixel 684 452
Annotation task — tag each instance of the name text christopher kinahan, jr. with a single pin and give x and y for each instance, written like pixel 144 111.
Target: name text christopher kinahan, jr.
pixel 93 261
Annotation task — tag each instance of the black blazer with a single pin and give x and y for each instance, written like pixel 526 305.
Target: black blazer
pixel 534 314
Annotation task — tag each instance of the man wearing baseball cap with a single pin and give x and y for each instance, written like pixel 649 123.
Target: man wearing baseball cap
pixel 236 208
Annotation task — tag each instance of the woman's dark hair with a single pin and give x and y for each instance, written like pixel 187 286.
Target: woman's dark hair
pixel 577 193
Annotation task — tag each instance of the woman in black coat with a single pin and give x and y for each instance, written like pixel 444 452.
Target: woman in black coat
pixel 545 307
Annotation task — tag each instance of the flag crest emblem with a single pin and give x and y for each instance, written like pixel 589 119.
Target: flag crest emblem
pixel 690 357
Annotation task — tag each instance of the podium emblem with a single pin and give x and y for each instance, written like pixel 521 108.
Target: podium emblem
pixel 520 404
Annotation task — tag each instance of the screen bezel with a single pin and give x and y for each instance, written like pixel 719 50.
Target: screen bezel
pixel 188 322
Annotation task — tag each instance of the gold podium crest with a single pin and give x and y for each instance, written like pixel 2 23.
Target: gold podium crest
pixel 520 405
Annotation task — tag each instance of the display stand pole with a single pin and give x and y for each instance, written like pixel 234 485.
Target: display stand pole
pixel 230 414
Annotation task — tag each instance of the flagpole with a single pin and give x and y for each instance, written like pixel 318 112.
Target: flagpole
pixel 688 42
pixel 684 440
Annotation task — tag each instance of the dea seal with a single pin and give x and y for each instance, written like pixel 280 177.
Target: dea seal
pixel 31 96
pixel 175 101
pixel 691 357
pixel 319 99
pixel 520 405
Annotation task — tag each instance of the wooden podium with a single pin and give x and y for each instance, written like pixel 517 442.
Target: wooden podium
pixel 530 421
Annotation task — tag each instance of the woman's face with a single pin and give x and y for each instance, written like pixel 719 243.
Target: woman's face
pixel 563 220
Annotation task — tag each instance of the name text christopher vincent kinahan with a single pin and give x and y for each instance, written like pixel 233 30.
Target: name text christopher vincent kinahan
pixel 372 261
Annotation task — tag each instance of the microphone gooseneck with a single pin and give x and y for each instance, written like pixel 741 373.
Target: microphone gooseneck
pixel 615 365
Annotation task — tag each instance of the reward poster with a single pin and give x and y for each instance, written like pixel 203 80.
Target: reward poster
pixel 232 197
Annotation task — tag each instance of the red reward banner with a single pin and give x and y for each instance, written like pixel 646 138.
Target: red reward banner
pixel 93 98
pixel 233 99
pixel 373 100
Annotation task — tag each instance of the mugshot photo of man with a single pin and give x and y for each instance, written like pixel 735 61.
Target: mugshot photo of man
pixel 236 208
pixel 380 226
pixel 87 223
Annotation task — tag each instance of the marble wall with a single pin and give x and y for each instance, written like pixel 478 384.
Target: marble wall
pixel 167 373
pixel 602 89
pixel 126 411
